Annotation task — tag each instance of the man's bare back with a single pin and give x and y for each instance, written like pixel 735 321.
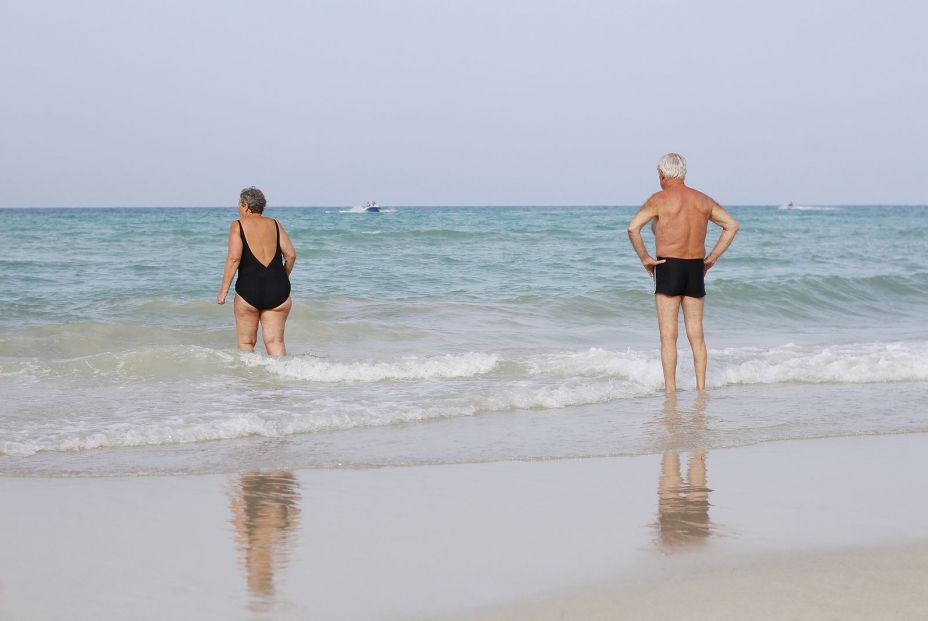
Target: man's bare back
pixel 681 216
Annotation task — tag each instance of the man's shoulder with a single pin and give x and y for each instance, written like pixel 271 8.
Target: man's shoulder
pixel 699 194
pixel 658 197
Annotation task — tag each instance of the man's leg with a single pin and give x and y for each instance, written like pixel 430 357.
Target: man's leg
pixel 692 318
pixel 668 310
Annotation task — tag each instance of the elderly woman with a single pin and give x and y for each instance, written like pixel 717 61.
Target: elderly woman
pixel 261 251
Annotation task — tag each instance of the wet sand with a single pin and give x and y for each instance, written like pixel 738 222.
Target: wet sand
pixel 885 582
pixel 815 529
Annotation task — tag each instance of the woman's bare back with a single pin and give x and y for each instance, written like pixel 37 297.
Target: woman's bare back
pixel 261 234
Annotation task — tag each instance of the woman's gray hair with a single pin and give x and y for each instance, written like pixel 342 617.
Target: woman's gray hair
pixel 673 165
pixel 254 200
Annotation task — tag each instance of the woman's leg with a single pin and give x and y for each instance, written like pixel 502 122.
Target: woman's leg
pixel 246 324
pixel 273 322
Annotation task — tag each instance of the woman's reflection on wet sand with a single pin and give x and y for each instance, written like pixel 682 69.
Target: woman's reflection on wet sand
pixel 683 504
pixel 265 513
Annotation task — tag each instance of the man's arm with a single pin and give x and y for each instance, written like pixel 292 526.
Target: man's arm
pixel 729 227
pixel 644 215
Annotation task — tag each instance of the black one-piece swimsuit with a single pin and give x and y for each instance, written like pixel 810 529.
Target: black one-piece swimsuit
pixel 262 286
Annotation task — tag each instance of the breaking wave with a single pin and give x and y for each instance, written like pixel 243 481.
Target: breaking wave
pixel 404 390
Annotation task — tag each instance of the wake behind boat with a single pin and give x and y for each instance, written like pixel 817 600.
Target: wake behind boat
pixel 368 207
pixel 793 207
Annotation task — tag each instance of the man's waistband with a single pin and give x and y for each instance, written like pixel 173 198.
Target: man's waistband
pixel 659 258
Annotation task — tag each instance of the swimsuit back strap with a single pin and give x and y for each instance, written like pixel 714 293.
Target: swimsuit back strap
pixel 277 226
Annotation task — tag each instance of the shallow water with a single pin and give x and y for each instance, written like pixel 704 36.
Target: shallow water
pixel 427 335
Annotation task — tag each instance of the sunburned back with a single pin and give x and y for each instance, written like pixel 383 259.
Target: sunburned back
pixel 261 234
pixel 680 227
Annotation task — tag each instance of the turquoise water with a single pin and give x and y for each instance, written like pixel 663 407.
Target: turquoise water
pixel 417 330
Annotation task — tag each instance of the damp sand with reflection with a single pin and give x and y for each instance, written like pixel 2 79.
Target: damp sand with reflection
pixel 683 501
pixel 265 514
pixel 791 529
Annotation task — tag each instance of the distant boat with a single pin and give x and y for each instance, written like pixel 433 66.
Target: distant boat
pixel 371 207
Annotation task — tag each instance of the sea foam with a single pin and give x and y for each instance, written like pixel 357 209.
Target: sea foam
pixel 412 389
pixel 853 363
pixel 845 364
pixel 409 368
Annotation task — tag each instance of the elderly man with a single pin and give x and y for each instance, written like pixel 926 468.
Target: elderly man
pixel 681 216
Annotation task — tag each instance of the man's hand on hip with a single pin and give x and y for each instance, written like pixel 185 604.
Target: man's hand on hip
pixel 649 262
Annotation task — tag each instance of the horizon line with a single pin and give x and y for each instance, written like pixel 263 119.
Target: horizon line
pixel 451 206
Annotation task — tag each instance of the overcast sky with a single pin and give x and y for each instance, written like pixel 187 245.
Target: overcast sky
pixel 439 102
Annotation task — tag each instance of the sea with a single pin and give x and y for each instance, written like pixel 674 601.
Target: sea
pixel 433 335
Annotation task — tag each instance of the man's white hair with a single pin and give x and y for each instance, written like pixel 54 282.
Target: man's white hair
pixel 673 165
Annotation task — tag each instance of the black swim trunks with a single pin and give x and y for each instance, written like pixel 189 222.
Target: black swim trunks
pixel 680 277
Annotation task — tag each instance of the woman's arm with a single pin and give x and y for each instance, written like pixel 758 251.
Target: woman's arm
pixel 232 260
pixel 287 249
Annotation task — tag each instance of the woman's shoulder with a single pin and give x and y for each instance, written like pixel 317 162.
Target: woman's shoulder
pixel 261 225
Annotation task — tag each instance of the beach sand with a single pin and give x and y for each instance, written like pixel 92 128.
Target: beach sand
pixel 886 582
pixel 815 529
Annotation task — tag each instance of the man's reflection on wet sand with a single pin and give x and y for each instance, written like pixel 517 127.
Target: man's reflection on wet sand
pixel 265 513
pixel 683 504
